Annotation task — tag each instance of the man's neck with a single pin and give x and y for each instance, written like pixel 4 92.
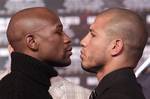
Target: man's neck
pixel 108 69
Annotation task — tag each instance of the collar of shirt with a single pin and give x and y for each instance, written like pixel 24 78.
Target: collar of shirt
pixel 33 68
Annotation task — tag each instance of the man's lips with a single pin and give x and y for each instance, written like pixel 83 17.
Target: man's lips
pixel 68 50
pixel 81 54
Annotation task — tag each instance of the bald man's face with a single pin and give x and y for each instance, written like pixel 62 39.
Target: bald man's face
pixel 54 45
pixel 94 47
pixel 40 35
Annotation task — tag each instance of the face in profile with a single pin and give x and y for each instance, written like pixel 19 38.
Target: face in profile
pixel 55 46
pixel 94 48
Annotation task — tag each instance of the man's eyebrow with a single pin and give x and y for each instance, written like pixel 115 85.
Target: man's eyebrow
pixel 93 31
pixel 59 26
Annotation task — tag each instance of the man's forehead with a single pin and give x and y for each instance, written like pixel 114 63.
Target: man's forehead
pixel 97 25
pixel 53 27
pixel 100 22
pixel 35 22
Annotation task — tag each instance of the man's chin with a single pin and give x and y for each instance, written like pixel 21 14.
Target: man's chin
pixel 60 63
pixel 92 69
pixel 64 64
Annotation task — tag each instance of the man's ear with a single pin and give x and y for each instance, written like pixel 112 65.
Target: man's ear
pixel 10 49
pixel 31 42
pixel 117 47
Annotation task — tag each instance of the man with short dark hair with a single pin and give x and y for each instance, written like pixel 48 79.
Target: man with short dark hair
pixel 112 49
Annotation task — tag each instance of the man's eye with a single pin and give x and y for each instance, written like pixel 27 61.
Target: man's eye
pixel 90 31
pixel 93 35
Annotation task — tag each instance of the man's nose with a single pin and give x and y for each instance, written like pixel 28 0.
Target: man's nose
pixel 67 39
pixel 84 41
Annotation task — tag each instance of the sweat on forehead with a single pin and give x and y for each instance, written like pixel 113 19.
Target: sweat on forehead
pixel 29 20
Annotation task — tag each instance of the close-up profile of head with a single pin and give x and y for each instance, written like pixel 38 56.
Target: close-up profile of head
pixel 116 38
pixel 38 32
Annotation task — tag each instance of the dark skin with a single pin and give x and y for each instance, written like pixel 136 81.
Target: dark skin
pixel 38 32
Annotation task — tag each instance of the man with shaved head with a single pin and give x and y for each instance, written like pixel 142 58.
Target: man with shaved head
pixel 112 49
pixel 39 43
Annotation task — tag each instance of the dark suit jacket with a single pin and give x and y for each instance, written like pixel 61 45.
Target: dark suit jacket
pixel 29 79
pixel 119 84
pixel 144 80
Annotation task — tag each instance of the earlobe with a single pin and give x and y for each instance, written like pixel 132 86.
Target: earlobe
pixel 117 47
pixel 31 42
